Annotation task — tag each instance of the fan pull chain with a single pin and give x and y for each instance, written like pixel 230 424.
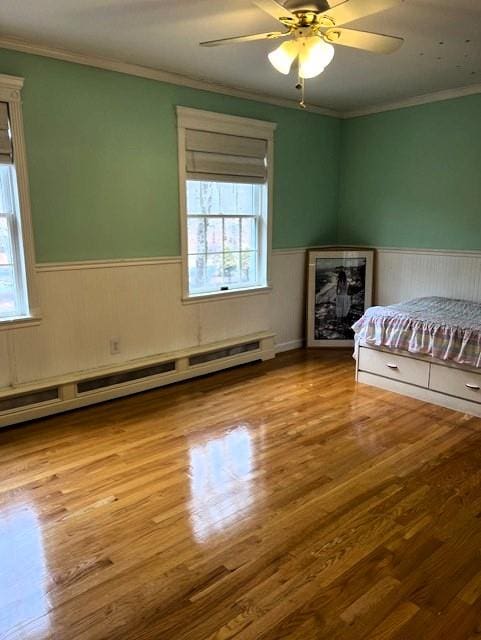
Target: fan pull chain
pixel 301 87
pixel 302 103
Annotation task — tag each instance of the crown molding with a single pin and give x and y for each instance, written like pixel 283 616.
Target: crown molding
pixel 159 75
pixel 426 98
pixel 150 73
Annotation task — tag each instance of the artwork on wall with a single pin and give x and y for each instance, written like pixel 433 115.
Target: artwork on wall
pixel 339 291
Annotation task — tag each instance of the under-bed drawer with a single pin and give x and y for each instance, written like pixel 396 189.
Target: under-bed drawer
pixel 394 366
pixel 456 382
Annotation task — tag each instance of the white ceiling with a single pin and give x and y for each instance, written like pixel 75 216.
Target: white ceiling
pixel 164 34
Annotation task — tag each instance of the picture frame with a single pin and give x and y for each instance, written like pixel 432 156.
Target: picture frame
pixel 339 290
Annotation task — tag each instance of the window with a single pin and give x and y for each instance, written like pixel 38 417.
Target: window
pixel 225 182
pixel 16 251
pixel 13 297
pixel 223 227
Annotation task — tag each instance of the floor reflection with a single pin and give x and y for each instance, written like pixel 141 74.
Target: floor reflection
pixel 23 575
pixel 221 482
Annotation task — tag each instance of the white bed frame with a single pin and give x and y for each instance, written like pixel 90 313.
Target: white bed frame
pixel 424 378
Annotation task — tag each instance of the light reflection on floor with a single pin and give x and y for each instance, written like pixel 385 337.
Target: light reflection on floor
pixel 221 482
pixel 23 574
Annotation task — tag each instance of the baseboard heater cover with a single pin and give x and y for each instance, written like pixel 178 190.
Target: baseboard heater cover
pixel 103 382
pixel 38 400
pixel 31 399
pixel 226 352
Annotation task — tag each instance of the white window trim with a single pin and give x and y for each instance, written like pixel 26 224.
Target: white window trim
pixel 188 118
pixel 10 92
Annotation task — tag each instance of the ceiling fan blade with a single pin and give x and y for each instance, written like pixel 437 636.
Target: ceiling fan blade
pixel 354 9
pixel 373 42
pixel 276 10
pixel 271 35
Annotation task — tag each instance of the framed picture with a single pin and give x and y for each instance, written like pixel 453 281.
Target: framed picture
pixel 339 291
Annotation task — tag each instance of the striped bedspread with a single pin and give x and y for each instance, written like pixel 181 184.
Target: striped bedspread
pixel 439 327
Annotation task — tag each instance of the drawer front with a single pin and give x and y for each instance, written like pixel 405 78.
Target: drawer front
pixel 456 382
pixel 403 369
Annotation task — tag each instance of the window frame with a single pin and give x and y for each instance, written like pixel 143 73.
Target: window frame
pixel 10 92
pixel 188 118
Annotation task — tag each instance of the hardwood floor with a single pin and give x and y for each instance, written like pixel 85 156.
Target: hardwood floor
pixel 274 501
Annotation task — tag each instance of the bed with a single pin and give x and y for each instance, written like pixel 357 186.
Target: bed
pixel 428 348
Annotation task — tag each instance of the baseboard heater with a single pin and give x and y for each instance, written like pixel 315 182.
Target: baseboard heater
pixel 103 382
pixel 30 401
pixel 22 400
pixel 227 352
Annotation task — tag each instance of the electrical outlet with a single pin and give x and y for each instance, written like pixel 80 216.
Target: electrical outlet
pixel 114 346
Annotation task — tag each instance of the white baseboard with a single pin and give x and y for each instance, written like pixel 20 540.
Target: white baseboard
pixel 289 346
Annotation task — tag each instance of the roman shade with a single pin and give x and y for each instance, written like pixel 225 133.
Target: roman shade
pixel 225 158
pixel 6 148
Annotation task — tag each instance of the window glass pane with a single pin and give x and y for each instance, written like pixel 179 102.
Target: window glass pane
pixel 8 297
pixel 231 267
pixel 249 234
pixel 6 195
pixel 214 235
pixel 197 272
pixel 13 291
pixel 231 234
pixel 224 198
pixel 196 235
pixel 200 196
pixel 224 220
pixel 249 267
pixel 6 254
pixel 214 273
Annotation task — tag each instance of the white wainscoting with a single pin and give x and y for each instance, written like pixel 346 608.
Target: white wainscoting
pixel 403 274
pixel 5 373
pixel 84 305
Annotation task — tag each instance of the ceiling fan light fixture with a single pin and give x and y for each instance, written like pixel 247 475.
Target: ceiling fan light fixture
pixel 314 56
pixel 283 57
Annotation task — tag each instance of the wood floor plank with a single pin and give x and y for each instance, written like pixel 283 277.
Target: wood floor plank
pixel 276 500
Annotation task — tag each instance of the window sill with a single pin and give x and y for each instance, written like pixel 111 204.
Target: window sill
pixel 222 295
pixel 19 323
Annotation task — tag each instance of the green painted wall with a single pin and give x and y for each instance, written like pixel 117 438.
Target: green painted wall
pixel 412 177
pixel 102 154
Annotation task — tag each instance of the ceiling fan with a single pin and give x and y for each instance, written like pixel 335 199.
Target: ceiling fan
pixel 312 29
